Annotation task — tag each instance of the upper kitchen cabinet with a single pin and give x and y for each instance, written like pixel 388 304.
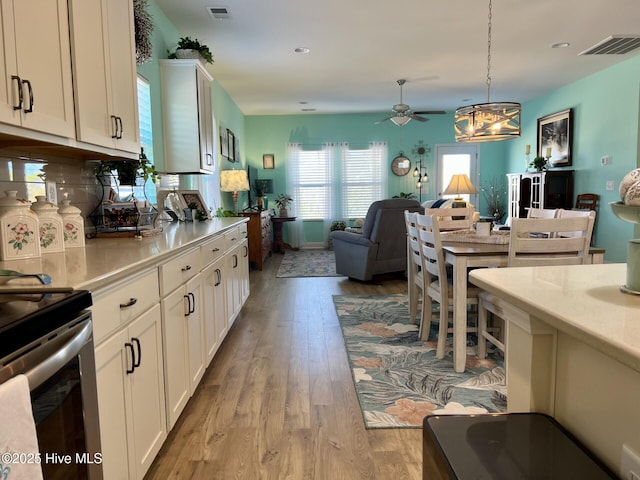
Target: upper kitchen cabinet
pixel 104 67
pixel 187 117
pixel 36 89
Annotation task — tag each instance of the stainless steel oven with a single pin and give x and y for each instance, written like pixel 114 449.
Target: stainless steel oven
pixel 49 338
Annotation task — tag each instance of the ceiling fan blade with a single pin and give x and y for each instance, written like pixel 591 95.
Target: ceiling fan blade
pixel 431 112
pixel 418 118
pixel 383 120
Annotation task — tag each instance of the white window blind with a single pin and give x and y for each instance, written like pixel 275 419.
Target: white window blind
pixel 144 117
pixel 364 178
pixel 311 179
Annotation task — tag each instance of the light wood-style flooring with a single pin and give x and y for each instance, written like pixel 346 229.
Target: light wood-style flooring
pixel 278 401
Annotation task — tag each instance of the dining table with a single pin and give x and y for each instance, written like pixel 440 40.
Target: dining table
pixel 462 255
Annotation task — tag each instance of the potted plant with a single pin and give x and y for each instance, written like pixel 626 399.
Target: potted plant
pixel 282 201
pixel 188 48
pixel 539 163
pixel 128 170
pixel 260 187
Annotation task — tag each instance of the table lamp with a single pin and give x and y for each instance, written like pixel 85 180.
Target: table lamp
pixel 460 184
pixel 234 181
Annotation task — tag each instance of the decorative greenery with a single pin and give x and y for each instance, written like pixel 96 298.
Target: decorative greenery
pixel 283 200
pixel 337 225
pixel 221 213
pixel 409 195
pixel 128 170
pixel 143 29
pixel 185 43
pixel 539 163
pixel 495 193
pixel 260 187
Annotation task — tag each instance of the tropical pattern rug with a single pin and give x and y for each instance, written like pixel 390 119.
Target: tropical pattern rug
pixel 308 263
pixel 398 378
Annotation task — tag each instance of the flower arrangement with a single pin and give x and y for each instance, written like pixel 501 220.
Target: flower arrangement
pixel 494 193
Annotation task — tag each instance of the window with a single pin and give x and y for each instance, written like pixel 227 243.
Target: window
pixel 144 117
pixel 322 192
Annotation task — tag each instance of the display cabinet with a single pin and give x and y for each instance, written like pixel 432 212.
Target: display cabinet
pixel 550 189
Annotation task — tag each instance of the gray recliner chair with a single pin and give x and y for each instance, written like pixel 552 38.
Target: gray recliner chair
pixel 382 246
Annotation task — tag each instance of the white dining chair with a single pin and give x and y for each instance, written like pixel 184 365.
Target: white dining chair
pixel 528 249
pixel 542 213
pixel 562 213
pixel 415 284
pixel 437 286
pixel 452 218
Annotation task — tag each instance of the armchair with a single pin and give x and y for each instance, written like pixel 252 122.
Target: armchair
pixel 382 246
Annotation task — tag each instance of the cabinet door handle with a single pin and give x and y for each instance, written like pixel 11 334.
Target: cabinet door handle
pixel 215 249
pixel 246 251
pixel 115 126
pixel 136 364
pixel 119 130
pixel 209 159
pixel 30 88
pixel 219 276
pixel 186 268
pixel 133 367
pixel 233 239
pixel 20 95
pixel 188 297
pixel 193 305
pixel 235 260
pixel 132 301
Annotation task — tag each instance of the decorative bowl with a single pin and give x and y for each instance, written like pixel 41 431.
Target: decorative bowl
pixel 628 213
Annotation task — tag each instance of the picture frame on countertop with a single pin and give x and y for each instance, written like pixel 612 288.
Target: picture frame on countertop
pixel 188 196
pixel 268 161
pixel 224 145
pixel 555 137
pixel 231 146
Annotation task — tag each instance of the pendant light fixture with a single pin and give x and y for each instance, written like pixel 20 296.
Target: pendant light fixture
pixel 491 121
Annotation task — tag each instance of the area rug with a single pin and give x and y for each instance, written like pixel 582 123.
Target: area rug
pixel 308 263
pixel 398 378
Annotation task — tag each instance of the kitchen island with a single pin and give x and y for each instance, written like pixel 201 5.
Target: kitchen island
pixel 573 350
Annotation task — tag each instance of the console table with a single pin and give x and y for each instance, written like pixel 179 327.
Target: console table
pixel 279 245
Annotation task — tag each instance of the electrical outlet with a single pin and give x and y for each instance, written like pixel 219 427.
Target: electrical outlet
pixel 605 160
pixel 610 185
pixel 629 464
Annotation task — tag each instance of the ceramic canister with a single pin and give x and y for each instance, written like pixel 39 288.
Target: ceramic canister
pixel 51 227
pixel 19 229
pixel 73 224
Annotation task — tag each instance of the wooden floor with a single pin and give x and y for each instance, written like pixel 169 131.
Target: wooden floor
pixel 278 401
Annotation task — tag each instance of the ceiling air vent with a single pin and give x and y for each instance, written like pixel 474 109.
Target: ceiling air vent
pixel 219 13
pixel 614 45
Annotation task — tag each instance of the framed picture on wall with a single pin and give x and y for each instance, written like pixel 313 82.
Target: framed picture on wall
pixel 224 145
pixel 231 146
pixel 554 138
pixel 190 197
pixel 268 161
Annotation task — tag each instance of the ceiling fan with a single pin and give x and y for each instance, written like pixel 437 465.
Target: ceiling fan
pixel 403 112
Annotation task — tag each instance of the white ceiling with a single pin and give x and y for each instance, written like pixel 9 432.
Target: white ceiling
pixel 359 48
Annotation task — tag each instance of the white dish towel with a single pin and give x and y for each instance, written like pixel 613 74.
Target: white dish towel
pixel 19 455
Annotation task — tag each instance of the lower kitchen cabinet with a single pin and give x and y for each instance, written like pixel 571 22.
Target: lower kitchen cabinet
pixel 214 307
pixel 131 398
pixel 183 345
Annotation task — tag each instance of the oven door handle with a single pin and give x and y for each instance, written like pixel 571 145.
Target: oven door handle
pixel 57 357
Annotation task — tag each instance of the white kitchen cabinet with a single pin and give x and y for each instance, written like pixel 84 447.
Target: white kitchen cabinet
pixel 190 141
pixel 213 295
pixel 104 67
pixel 182 323
pixel 131 397
pixel 36 87
pixel 236 255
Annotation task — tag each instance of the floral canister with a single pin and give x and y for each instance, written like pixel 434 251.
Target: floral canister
pixel 18 228
pixel 73 225
pixel 51 227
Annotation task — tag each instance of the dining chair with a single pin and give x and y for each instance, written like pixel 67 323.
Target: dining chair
pixel 587 201
pixel 437 284
pixel 415 283
pixel 452 218
pixel 567 244
pixel 579 213
pixel 542 213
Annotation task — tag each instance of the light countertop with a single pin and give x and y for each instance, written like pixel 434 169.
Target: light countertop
pixel 583 301
pixel 105 260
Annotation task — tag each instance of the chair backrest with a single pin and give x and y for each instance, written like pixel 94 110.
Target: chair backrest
pixel 431 251
pixel 587 201
pixel 384 225
pixel 412 241
pixel 527 248
pixel 562 213
pixel 542 213
pixel 452 218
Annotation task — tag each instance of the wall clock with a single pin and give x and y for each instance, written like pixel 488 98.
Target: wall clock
pixel 400 165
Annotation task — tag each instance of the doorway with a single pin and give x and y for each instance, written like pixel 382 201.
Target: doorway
pixel 456 159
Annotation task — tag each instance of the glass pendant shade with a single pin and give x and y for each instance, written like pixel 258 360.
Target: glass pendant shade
pixel 400 120
pixel 487 122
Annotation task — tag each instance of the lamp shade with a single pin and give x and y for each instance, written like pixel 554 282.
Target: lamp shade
pixel 460 184
pixel 400 120
pixel 234 181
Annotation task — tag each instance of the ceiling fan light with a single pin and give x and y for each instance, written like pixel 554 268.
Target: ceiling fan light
pixel 400 120
pixel 487 122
